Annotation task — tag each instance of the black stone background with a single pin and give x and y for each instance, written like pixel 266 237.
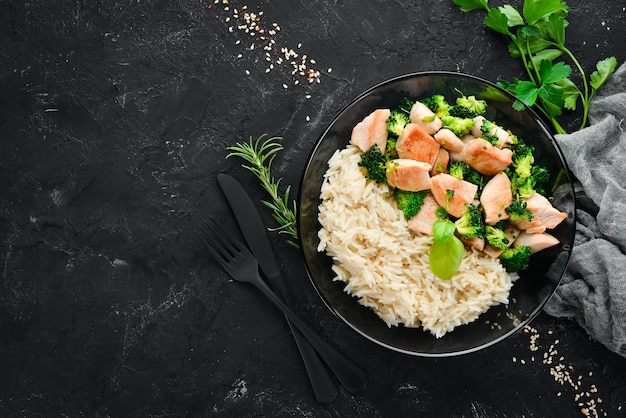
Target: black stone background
pixel 114 119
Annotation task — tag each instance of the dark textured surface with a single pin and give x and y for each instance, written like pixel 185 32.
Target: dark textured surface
pixel 114 118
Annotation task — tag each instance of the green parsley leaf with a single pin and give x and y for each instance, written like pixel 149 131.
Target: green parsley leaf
pixel 552 99
pixel 556 28
pixel 571 93
pixel 512 15
pixel 605 68
pixel 497 21
pixel 526 92
pixel 553 73
pixel 546 54
pixel 469 5
pixel 536 10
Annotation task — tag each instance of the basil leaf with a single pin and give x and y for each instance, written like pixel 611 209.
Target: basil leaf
pixel 443 229
pixel 445 257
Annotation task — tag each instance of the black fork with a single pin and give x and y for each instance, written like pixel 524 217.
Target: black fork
pixel 239 262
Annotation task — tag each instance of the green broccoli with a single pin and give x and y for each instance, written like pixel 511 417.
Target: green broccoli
pixel 523 160
pixel 496 237
pixel 460 126
pixel 468 107
pixel 409 202
pixel 406 105
pixel 438 104
pixel 396 122
pixel 374 161
pixel 515 259
pixel 458 169
pixel 471 223
pixel 462 171
pixel 526 176
pixel 390 150
pixel 487 126
pixel 534 183
pixel 517 210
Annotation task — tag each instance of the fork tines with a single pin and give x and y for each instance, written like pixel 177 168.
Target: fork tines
pixel 212 236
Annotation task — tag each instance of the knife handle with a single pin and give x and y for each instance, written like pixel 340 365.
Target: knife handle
pixel 349 374
pixel 323 386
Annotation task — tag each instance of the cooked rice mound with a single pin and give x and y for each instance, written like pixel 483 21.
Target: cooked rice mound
pixel 385 264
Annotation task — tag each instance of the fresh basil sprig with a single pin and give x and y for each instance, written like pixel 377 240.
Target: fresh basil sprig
pixel 446 252
pixel 538 38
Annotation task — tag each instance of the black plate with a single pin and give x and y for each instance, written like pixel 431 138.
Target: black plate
pixel 535 285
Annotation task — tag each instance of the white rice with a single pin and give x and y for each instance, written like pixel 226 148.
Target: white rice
pixel 385 264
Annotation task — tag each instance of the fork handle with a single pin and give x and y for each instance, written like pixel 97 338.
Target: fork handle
pixel 349 374
pixel 321 382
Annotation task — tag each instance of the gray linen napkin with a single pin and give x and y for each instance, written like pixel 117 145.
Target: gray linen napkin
pixel 593 290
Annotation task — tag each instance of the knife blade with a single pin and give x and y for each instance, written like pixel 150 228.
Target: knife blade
pixel 255 234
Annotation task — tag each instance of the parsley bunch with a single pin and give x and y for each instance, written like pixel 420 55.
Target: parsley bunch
pixel 538 38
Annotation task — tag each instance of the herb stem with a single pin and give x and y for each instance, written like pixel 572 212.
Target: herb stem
pixel 260 155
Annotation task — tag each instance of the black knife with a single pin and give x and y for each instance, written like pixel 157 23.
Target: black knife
pixel 255 234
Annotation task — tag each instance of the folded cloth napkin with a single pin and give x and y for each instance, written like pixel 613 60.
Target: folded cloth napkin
pixel 593 289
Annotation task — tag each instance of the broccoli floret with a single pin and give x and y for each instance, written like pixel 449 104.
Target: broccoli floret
pixel 471 223
pixel 374 161
pixel 438 104
pixel 396 122
pixel 534 183
pixel 517 210
pixel 390 150
pixel 526 176
pixel 515 259
pixel 523 160
pixel 487 126
pixel 496 237
pixel 406 105
pixel 460 126
pixel 468 107
pixel 462 171
pixel 409 202
pixel 458 169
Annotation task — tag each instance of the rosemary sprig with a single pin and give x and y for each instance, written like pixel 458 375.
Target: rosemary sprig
pixel 259 154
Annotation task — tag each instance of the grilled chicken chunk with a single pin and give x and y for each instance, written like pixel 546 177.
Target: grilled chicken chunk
pixel 463 193
pixel 536 242
pixel 485 158
pixel 371 130
pixel 424 117
pixel 545 216
pixel 447 139
pixel 496 197
pixel 414 143
pixel 504 137
pixel 512 233
pixel 424 219
pixel 408 174
pixel 441 162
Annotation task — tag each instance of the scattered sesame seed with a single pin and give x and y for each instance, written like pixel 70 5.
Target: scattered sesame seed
pixel 253 24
